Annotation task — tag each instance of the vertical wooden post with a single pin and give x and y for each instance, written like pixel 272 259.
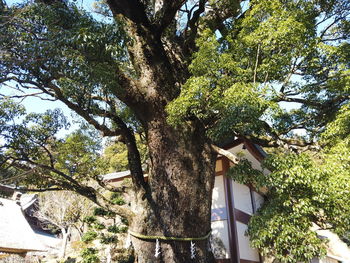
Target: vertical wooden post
pixel 231 221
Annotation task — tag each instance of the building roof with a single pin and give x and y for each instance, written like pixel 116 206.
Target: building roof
pixel 253 148
pixel 27 200
pixel 16 235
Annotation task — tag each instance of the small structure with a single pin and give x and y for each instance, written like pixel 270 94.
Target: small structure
pixel 16 235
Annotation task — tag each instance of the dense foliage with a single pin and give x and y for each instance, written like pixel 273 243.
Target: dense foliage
pixel 115 155
pixel 183 76
pixel 280 51
pixel 306 192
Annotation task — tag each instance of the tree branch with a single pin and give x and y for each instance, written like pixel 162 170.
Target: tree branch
pixel 256 63
pixel 83 113
pixel 298 100
pixel 134 158
pixel 167 13
pixel 284 142
pixel 70 184
pixel 45 167
pixel 128 138
pixel 107 186
pixel 133 10
pixel 100 200
pixel 24 189
pixel 192 25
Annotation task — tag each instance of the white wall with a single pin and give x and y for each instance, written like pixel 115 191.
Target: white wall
pixel 241 197
pixel 245 251
pixel 259 200
pixel 328 260
pixel 219 220
pixel 218 198
pixel 238 150
pixel 242 201
pixel 220 241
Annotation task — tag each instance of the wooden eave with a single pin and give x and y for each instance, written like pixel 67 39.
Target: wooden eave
pixel 15 250
pixel 251 147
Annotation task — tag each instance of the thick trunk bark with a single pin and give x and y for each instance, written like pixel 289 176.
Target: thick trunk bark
pixel 178 202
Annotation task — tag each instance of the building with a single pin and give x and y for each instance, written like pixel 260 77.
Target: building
pixel 16 235
pixel 20 231
pixel 233 204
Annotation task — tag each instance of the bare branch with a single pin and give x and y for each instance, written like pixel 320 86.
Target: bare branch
pixel 192 24
pixel 45 167
pixel 134 158
pixel 282 142
pixel 256 63
pixel 334 22
pixel 70 184
pixel 284 98
pixel 22 97
pixel 52 161
pixel 17 176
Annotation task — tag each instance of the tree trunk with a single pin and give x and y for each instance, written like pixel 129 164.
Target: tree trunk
pixel 65 235
pixel 178 202
pixel 109 254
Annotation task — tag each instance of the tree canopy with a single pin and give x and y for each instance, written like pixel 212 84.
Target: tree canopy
pixel 186 76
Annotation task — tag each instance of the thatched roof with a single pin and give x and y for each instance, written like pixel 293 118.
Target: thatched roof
pixel 16 236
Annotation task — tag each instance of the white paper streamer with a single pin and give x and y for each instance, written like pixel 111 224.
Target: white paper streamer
pixel 210 242
pixel 128 242
pixel 157 250
pixel 193 250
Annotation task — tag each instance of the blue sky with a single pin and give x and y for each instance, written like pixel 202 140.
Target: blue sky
pixel 87 4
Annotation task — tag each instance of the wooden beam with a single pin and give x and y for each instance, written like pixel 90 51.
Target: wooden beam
pixel 242 216
pixel 248 261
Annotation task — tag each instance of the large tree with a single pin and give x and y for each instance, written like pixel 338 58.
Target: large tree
pixel 187 75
